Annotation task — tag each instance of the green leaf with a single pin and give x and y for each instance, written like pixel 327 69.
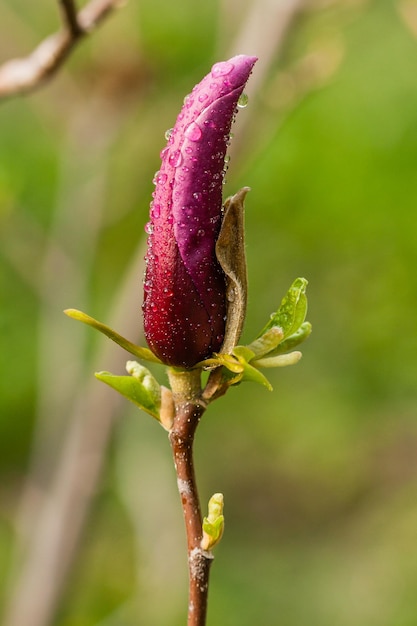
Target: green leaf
pixel 237 363
pixel 243 352
pixel 143 391
pixel 138 351
pixel 267 342
pixel 293 340
pixel 280 360
pixel 291 314
pixel 252 374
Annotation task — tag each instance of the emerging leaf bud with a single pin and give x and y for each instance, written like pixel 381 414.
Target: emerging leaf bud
pixel 213 524
pixel 185 291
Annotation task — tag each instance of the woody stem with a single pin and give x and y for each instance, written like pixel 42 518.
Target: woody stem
pixel 189 409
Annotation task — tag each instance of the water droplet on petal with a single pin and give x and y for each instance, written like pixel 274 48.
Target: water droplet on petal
pixel 197 195
pixel 202 97
pixel 210 124
pixel 149 228
pixel 175 159
pixel 163 152
pixel 155 177
pixel 221 69
pixel 156 211
pixel 243 101
pixel 168 133
pixel 193 132
pixel 161 178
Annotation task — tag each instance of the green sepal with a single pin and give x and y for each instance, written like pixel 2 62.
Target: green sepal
pixel 137 351
pixel 141 387
pixel 238 364
pixel 252 374
pixel 292 311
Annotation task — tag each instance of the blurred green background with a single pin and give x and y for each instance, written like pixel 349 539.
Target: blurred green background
pixel 320 476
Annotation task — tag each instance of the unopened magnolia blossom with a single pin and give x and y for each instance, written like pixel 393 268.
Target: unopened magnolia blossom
pixel 185 293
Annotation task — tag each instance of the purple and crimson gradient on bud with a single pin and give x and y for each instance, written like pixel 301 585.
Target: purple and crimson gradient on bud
pixel 184 305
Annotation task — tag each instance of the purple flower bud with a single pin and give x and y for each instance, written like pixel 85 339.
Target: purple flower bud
pixel 185 294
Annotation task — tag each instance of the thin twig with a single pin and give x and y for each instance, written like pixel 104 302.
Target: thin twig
pixel 189 409
pixel 69 13
pixel 18 76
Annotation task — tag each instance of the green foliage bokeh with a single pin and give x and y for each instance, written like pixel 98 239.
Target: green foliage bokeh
pixel 319 476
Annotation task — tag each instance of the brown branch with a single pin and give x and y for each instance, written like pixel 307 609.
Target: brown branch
pixel 69 14
pixel 19 76
pixel 189 409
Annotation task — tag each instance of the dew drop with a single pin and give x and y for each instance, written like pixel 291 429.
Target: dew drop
pixel 175 159
pixel 221 69
pixel 188 101
pixel 210 124
pixel 197 195
pixel 155 177
pixel 156 211
pixel 149 228
pixel 168 133
pixel 243 101
pixel 161 178
pixel 203 97
pixel 163 152
pixel 193 132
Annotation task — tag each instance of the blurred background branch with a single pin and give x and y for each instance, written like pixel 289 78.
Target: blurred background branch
pixel 19 76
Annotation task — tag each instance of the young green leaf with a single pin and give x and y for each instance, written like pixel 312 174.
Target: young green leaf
pixel 141 387
pixel 138 351
pixel 291 314
pixel 293 340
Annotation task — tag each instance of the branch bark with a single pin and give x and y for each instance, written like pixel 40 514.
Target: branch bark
pixel 189 409
pixel 19 76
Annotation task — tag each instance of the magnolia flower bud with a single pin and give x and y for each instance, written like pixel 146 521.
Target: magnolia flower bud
pixel 185 294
